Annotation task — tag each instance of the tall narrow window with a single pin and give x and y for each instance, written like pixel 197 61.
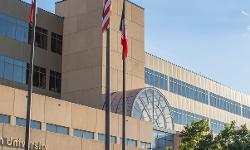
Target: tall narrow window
pixel 56 43
pixel 41 37
pixel 39 77
pixel 55 81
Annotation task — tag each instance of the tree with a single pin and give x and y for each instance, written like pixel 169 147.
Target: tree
pixel 197 136
pixel 232 138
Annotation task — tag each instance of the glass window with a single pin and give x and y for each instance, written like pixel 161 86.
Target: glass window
pixel 101 137
pixel 55 81
pixel 39 77
pixel 20 70
pixel 62 130
pixel 83 134
pixel 8 68
pixel 1 66
pixel 131 143
pixel 161 140
pixel 78 133
pixel 113 140
pixel 4 119
pixel 41 37
pixel 57 129
pixel 88 135
pixel 33 124
pixel 20 122
pixel 13 70
pixel 51 127
pixel 56 43
pixel 13 28
pixel 145 145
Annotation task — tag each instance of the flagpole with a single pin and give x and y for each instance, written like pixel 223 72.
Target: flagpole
pixel 124 55
pixel 30 82
pixel 124 106
pixel 107 100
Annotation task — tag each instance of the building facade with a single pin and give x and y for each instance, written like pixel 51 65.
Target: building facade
pixel 69 83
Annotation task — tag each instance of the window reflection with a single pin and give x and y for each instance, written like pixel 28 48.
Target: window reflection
pixel 13 28
pixel 13 70
pixel 161 140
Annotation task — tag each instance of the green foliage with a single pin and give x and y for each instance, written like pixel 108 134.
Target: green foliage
pixel 232 138
pixel 169 148
pixel 198 136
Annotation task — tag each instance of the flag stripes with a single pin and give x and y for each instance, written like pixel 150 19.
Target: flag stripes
pixel 32 12
pixel 124 41
pixel 106 14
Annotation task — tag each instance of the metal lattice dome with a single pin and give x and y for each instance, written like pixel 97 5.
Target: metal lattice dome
pixel 147 104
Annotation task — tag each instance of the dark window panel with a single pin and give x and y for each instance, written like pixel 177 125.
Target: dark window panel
pixel 56 43
pixel 4 119
pixel 57 129
pixel 55 82
pixel 33 124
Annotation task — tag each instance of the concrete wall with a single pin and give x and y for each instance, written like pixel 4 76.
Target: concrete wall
pixel 54 111
pixel 197 80
pixel 21 51
pixel 53 141
pixel 84 50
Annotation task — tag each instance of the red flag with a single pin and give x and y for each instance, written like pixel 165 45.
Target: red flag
pixel 124 40
pixel 106 14
pixel 32 12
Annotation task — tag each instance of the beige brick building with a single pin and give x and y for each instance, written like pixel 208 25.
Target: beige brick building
pixel 69 83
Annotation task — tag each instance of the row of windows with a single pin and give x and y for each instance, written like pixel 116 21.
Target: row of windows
pixel 14 28
pixel 18 71
pixel 225 104
pixel 195 93
pixel 65 131
pixel 184 117
pixel 188 90
pixel 246 111
pixel 129 142
pixel 156 79
pixel 216 126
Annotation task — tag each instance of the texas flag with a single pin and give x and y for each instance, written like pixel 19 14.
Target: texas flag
pixel 32 12
pixel 124 41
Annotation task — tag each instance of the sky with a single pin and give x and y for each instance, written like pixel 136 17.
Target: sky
pixel 210 37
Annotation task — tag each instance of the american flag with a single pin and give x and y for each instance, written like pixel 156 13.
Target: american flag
pixel 32 12
pixel 106 14
pixel 124 41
